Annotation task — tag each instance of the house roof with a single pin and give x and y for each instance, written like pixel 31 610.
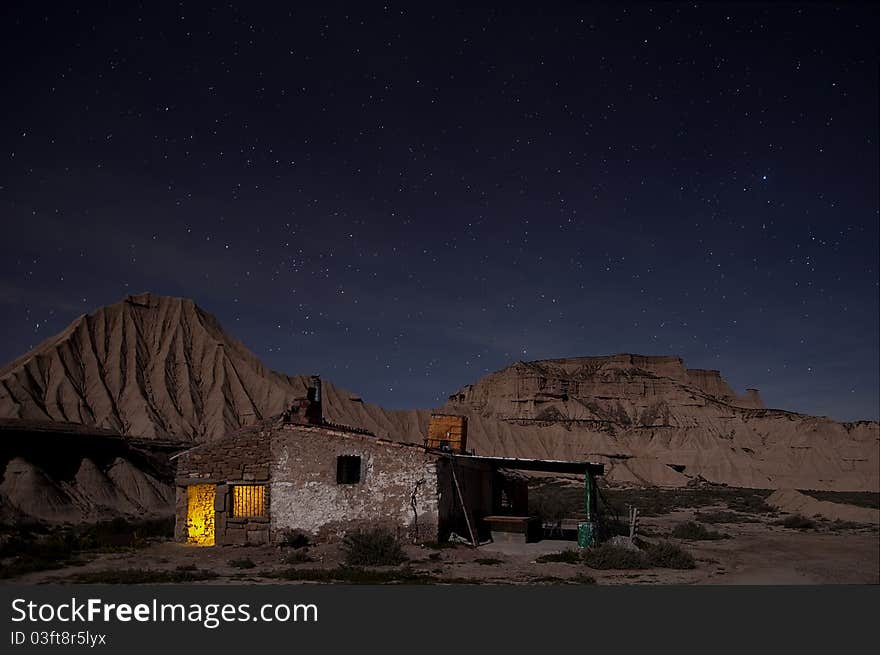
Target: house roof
pixel 330 430
pixel 269 426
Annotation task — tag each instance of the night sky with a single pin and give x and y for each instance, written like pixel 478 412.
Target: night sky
pixel 404 199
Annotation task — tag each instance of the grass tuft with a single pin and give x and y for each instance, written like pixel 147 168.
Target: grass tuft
pixel 696 532
pixel 665 555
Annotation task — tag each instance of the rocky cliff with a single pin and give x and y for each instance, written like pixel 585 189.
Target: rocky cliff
pixel 158 369
pixel 653 421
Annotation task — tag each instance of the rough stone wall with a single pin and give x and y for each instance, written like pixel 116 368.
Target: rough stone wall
pixel 397 490
pixel 240 458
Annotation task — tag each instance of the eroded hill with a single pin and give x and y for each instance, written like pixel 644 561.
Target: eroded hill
pixel 158 369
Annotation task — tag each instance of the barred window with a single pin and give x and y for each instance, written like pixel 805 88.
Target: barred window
pixel 249 500
pixel 348 469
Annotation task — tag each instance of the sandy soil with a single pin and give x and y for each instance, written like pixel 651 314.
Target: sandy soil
pixel 762 553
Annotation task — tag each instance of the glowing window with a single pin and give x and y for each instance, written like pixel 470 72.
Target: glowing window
pixel 249 500
pixel 348 469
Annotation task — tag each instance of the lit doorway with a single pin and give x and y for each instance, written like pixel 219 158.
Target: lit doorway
pixel 200 514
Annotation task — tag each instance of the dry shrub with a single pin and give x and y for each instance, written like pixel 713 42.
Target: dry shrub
pixel 372 548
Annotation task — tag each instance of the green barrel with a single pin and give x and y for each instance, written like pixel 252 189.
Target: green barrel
pixel 585 535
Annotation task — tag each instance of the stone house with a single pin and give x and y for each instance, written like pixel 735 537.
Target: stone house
pixel 258 483
pixel 300 473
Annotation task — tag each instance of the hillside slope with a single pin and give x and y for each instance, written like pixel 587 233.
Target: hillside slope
pixel 653 421
pixel 151 366
pixel 161 368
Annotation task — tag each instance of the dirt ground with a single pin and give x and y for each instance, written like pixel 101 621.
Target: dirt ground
pixel 758 551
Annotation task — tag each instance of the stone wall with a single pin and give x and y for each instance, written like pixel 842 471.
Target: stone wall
pixel 397 488
pixel 243 455
pixel 240 458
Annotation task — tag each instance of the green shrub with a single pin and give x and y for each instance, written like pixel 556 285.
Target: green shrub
pixel 34 547
pixel 295 539
pixel 298 557
pixel 372 548
pixel 696 532
pixel 568 556
pixel 607 556
pixel 660 555
pixel 665 555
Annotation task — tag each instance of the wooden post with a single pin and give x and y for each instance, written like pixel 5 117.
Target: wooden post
pixel 464 508
pixel 588 492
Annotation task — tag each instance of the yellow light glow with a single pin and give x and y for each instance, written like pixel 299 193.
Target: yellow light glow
pixel 249 500
pixel 200 514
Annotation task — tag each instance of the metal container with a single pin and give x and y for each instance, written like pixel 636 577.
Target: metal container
pixel 586 535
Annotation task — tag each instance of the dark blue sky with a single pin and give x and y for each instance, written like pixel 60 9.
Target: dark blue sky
pixel 404 199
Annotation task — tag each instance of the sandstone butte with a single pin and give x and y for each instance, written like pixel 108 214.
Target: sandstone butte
pixel 160 368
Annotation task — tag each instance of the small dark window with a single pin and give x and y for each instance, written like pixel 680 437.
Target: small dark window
pixel 348 469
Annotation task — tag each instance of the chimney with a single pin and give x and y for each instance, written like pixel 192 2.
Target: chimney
pixel 314 411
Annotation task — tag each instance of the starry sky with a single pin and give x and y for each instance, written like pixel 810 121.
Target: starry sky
pixel 404 198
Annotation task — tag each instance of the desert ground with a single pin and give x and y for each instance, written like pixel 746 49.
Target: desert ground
pixel 728 536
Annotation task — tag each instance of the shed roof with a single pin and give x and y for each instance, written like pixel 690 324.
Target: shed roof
pixel 548 465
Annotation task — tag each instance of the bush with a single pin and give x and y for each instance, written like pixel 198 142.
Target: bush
pixel 298 557
pixel 35 547
pixel 372 548
pixel 665 555
pixel 662 555
pixel 244 563
pixel 295 539
pixel 797 522
pixel 567 556
pixel 696 532
pixel 607 556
